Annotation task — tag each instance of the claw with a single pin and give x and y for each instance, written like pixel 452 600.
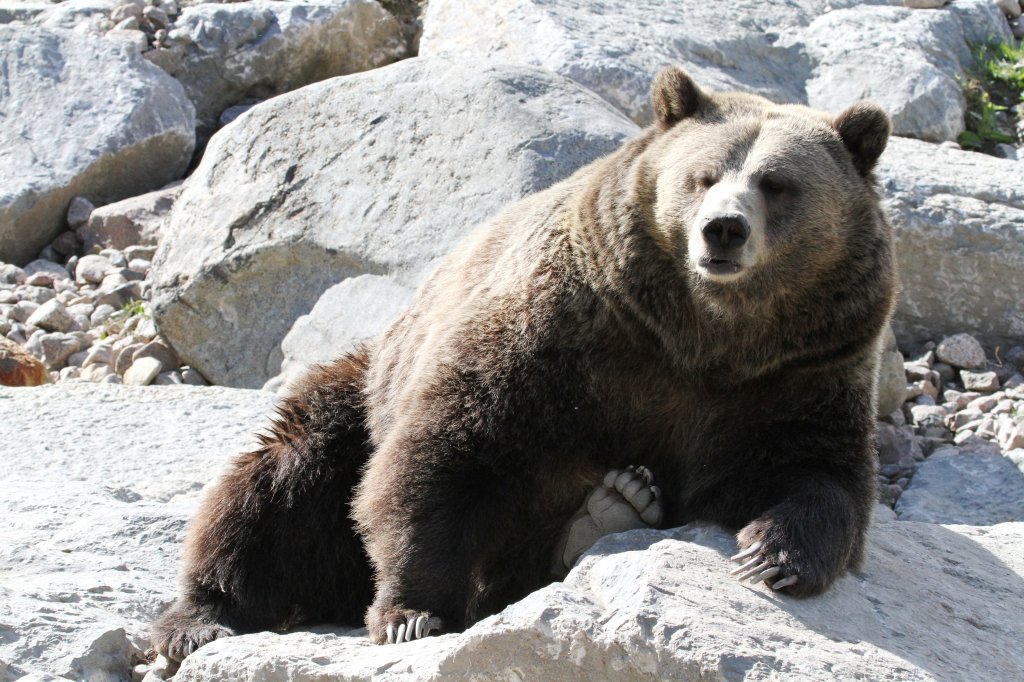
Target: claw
pixel 754 571
pixel 656 491
pixel 391 633
pixel 646 474
pixel 744 567
pixel 421 623
pixel 766 575
pixel 410 628
pixel 785 582
pixel 400 635
pixel 753 549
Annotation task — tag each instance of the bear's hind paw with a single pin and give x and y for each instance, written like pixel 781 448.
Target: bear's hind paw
pixel 405 625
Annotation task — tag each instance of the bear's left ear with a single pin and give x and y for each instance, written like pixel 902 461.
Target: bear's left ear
pixel 864 129
pixel 675 96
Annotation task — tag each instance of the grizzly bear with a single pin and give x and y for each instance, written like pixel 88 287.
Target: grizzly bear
pixel 706 301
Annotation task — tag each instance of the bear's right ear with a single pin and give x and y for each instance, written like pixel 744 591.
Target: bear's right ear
pixel 864 129
pixel 675 96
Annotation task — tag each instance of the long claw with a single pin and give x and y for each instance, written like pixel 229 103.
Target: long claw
pixel 410 628
pixel 753 549
pixel 400 635
pixel 766 575
pixel 744 567
pixel 646 474
pixel 754 571
pixel 785 582
pixel 656 491
pixel 421 623
pixel 391 633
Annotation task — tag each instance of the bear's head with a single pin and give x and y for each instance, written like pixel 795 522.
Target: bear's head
pixel 749 193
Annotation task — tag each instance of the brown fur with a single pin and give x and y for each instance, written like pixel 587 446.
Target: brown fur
pixel 566 337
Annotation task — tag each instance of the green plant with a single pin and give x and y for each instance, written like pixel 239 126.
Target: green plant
pixel 992 90
pixel 115 323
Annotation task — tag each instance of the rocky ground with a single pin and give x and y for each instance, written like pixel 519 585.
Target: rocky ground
pixel 305 224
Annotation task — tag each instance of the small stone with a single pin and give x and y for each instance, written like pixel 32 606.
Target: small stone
pixel 983 382
pixel 7 296
pixel 102 353
pixel 160 37
pixel 55 348
pixel 115 257
pixel 54 270
pixel 79 211
pixel 168 379
pixel 140 265
pixel 192 377
pixel 127 9
pixel 146 329
pixel 35 294
pixel 139 252
pixel 40 279
pixel 100 314
pixel 22 310
pixel 91 269
pixel 924 4
pixel 69 373
pixel 124 357
pixel 76 359
pixel 11 274
pixel 946 372
pixel 983 404
pixel 156 17
pixel 136 39
pixel 120 295
pixel 18 367
pixel 112 379
pixel 958 420
pixel 128 24
pixel 51 316
pixel 142 372
pixel 961 350
pixel 158 350
pixel 96 372
pixel 924 400
pixel 1014 438
pixel 1011 8
pixel 66 243
pixel 1015 381
pixel 928 415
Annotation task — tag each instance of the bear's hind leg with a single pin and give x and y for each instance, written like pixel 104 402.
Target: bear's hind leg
pixel 625 500
pixel 272 543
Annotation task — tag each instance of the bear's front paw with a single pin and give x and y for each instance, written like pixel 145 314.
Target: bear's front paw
pixel 177 633
pixel 394 626
pixel 772 554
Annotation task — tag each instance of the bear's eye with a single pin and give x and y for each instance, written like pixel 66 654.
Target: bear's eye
pixel 706 181
pixel 772 187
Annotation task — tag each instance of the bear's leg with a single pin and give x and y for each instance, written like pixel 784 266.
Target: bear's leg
pixel 805 542
pixel 625 500
pixel 272 543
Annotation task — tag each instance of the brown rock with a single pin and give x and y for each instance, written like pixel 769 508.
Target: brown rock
pixel 18 367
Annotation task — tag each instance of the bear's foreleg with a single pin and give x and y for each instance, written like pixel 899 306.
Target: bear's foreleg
pixel 802 544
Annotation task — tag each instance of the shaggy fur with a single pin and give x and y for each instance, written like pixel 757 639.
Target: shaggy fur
pixel 568 336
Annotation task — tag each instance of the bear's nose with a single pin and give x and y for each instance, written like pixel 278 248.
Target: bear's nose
pixel 726 231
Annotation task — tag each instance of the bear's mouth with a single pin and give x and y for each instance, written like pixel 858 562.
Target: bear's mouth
pixel 719 266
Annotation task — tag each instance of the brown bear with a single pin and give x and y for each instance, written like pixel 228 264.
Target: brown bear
pixel 707 300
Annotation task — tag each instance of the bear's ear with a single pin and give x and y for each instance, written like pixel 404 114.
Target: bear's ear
pixel 864 129
pixel 675 96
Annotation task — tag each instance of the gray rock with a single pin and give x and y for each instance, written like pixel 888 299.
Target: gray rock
pixel 244 258
pixel 22 310
pixel 983 382
pixel 34 294
pixel 909 62
pixel 101 314
pixel 896 445
pixel 91 269
pixel 962 350
pixel 132 222
pixel 51 316
pixel 192 377
pixel 661 605
pixel 979 489
pixel 94 517
pixel 892 386
pixel 264 48
pixel 159 351
pixel 347 314
pixel 136 137
pixel 143 371
pixel 55 270
pixel 54 348
pixel 1010 8
pixel 79 211
pixel 134 38
pixel 11 274
pixel 957 218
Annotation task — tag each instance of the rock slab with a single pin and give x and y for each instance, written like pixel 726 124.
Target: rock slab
pixel 377 173
pixel 979 489
pixel 95 506
pixel 82 117
pixel 661 605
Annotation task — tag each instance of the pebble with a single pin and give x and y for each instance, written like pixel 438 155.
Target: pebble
pixel 983 382
pixel 961 350
pixel 156 17
pixel 51 316
pixel 142 372
pixel 11 274
pixel 91 269
pixel 35 294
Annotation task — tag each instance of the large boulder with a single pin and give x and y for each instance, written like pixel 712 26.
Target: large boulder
pixel 82 117
pixel 224 53
pixel 958 219
pixel 377 173
pixel 933 602
pixel 95 502
pixel 980 489
pixel 808 51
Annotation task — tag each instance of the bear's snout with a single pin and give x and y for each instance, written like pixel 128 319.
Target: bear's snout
pixel 725 233
pixel 725 241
